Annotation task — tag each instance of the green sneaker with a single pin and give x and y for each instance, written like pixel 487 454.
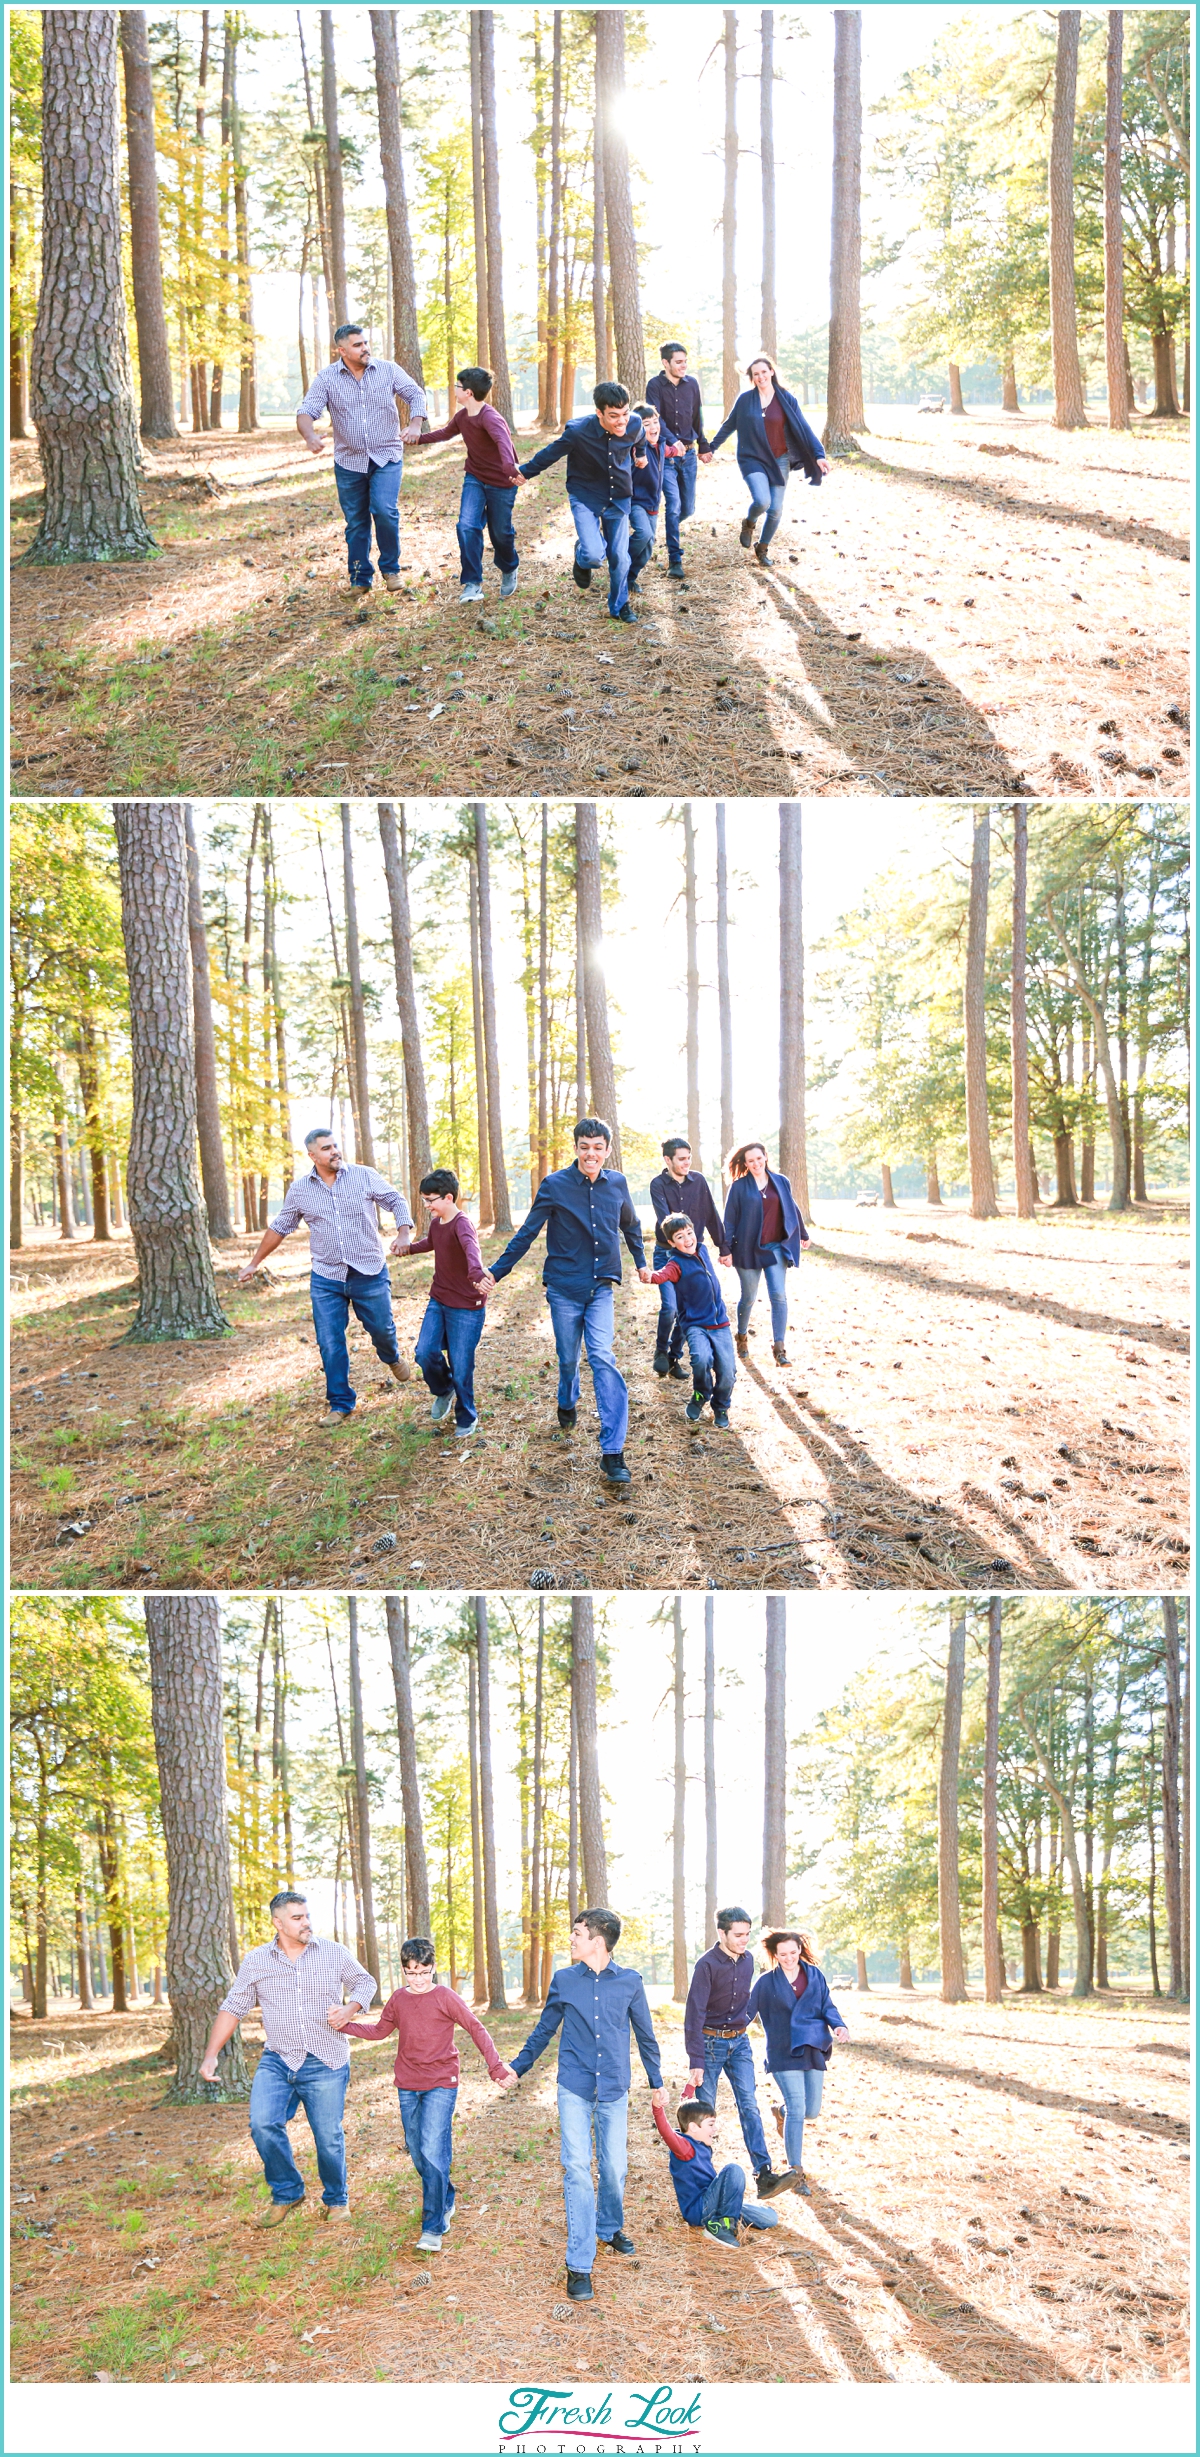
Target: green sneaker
pixel 695 1408
pixel 722 2231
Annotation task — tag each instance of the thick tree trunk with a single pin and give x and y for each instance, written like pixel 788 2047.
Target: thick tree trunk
pixel 724 1004
pixel 844 412
pixel 954 1978
pixel 601 1074
pixel 538 1906
pixel 406 338
pixel 416 1869
pixel 693 985
pixel 979 1145
pixel 583 1700
pixel 487 983
pixel 543 1082
pixel 247 357
pixel 1026 1185
pixel 478 1936
pixel 766 155
pixel 933 1188
pixel 81 388
pixel 486 1202
pixel 362 1805
pixel 989 1912
pixel 793 1141
pixel 888 1197
pixel 710 1774
pixel 1031 1959
pixel 177 1297
pixel 1114 261
pixel 1170 1795
pixel 1010 398
pixel 183 1634
pixel 774 1877
pixel 556 253
pixel 154 350
pixel 333 169
pixel 501 393
pixel 395 868
pixel 958 407
pixel 618 203
pixel 477 198
pixel 1069 410
pixel 861 1980
pixel 730 384
pixel 497 2001
pixel 599 300
pixel 358 1012
pixel 678 1895
pixel 208 1100
pixel 905 1959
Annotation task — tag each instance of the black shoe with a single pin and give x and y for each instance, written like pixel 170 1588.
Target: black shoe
pixel 635 588
pixel 675 571
pixel 662 1361
pixel 721 1418
pixel 695 1408
pixel 613 1468
pixel 618 2242
pixel 679 1371
pixel 579 2286
pixel 581 574
pixel 746 533
pixel 566 1418
pixel 767 2183
pixel 627 614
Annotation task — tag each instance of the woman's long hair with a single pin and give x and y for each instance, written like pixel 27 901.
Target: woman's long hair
pixel 791 1936
pixel 736 1163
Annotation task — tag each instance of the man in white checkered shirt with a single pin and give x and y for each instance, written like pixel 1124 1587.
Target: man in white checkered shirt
pixel 360 393
pixel 295 1982
pixel 340 1201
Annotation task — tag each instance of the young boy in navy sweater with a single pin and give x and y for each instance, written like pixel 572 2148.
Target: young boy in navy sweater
pixel 704 1318
pixel 707 2198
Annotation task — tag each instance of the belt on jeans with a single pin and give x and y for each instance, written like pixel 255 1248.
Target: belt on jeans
pixel 739 2033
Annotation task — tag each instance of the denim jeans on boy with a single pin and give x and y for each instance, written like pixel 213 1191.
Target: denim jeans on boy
pixel 603 537
pixel 774 1264
pixel 679 500
pixel 598 2212
pixel 588 1322
pixel 714 1368
pixel 275 2095
pixel 366 495
pixel 801 2094
pixel 428 2120
pixel 766 496
pixel 451 1331
pixel 669 1335
pixel 643 528
pixel 370 1294
pixel 735 2059
pixel 726 2198
pixel 489 507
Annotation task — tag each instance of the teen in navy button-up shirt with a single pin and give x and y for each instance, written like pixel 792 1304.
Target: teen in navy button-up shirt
pixel 596 2009
pixel 584 1221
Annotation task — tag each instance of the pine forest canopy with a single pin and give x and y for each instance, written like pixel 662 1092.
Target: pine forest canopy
pixel 884 939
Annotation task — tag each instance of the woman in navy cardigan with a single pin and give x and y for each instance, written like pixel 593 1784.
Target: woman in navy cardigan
pixel 798 2014
pixel 773 438
pixel 763 1232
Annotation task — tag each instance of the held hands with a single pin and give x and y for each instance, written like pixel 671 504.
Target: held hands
pixel 338 2016
pixel 706 456
pixel 644 1271
pixel 485 1286
pixel 396 1247
pixel 411 434
pixel 521 479
pixel 658 2098
pixel 725 1261
pixel 509 2080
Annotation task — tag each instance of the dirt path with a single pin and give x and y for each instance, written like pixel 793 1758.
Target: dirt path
pixel 998 2193
pixel 988 1405
pixel 958 610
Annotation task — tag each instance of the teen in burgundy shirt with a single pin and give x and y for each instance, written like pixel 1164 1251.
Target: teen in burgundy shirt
pixel 489 484
pixel 453 1319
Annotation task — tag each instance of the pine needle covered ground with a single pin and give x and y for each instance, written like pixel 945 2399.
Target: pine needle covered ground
pixel 969 606
pixel 996 1405
pixel 999 2193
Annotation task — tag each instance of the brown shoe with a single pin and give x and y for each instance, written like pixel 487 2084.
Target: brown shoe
pixel 779 1352
pixel 355 588
pixel 392 583
pixel 742 1342
pixel 277 2211
pixel 401 1371
pixel 339 2210
pixel 335 1417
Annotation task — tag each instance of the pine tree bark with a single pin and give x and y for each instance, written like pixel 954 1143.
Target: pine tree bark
pixel 556 259
pixel 766 155
pixel 247 355
pixel 538 1907
pixel 601 1073
pixel 395 869
pixel 486 1201
pixel 497 2000
pixel 478 206
pixel 844 413
pixel 678 1895
pixel 208 1100
pixel 724 1004
pixel 177 1296
pixel 693 985
pixel 1172 1891
pixel 979 1146
pixel 958 407
pixel 487 982
pixel 618 203
pixel 729 350
pixel 501 393
pixel 416 1867
pixel 1069 410
pixel 154 350
pixel 1119 1198
pixel 358 1012
pixel 599 299
pixel 479 1987
pixel 954 1980
pixel 543 1089
pixel 362 1804
pixel 183 1634
pixel 1114 259
pixel 1084 1943
pixel 406 338
pixel 583 1702
pixel 88 1061
pixel 81 386
pixel 774 1877
pixel 333 169
pixel 1026 1183
pixel 793 1140
pixel 989 1913
pixel 710 1774
pixel 83 1959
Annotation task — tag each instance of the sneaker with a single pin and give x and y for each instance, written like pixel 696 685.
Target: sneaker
pixel 401 1371
pixel 613 1468
pixel 619 2242
pixel 679 1371
pixel 356 588
pixel 767 2183
pixel 277 2211
pixel 427 2242
pixel 627 614
pixel 695 1408
pixel 722 2231
pixel 675 571
pixel 579 2286
pixel 661 1361
pixel 442 1406
pixel 566 1418
pixel 336 1416
pixel 581 574
pixel 721 1419
pixel 635 588
pixel 746 533
pixel 462 1433
pixel 471 593
pixel 337 2212
pixel 392 583
pixel 508 583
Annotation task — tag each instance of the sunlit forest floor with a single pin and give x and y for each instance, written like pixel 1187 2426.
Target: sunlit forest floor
pixel 970 606
pixel 998 2193
pixel 968 1404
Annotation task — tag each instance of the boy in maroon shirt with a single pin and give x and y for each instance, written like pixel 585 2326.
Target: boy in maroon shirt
pixel 453 1320
pixel 423 2015
pixel 489 488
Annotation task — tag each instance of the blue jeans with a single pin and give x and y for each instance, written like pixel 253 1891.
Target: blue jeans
pixel 588 1322
pixel 599 2212
pixel 767 496
pixel 371 1297
pixel 367 495
pixel 604 537
pixel 735 2059
pixel 669 1335
pixel 428 2120
pixel 275 2094
pixel 801 2094
pixel 491 507
pixel 774 1264
pixel 726 2198
pixel 679 500
pixel 714 1372
pixel 644 534
pixel 451 1331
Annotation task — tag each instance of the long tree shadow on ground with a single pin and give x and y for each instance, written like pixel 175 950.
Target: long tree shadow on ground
pixel 1034 2094
pixel 996 499
pixel 1074 1317
pixel 994 2353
